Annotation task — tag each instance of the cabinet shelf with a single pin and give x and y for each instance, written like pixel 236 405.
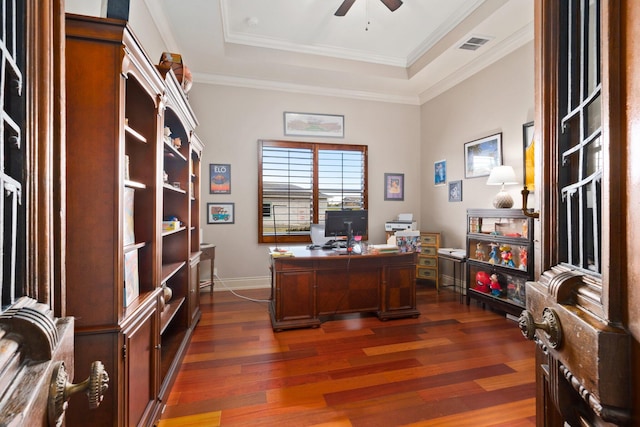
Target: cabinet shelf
pixel 134 246
pixel 177 230
pixel 135 134
pixel 169 312
pixel 169 270
pixel 134 184
pixel 172 152
pixel 170 187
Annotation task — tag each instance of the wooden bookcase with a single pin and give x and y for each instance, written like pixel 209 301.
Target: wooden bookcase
pixel 117 106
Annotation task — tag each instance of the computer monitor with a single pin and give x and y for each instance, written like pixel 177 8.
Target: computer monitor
pixel 346 223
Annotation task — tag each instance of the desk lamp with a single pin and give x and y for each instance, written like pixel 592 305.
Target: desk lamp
pixel 502 175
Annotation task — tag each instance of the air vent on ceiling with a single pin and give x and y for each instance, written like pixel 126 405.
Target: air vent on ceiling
pixel 474 43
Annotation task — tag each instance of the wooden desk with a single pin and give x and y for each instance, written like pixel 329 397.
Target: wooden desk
pixel 208 253
pixel 316 283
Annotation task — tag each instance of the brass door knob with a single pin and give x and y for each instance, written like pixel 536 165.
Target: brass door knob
pixel 550 325
pixel 60 390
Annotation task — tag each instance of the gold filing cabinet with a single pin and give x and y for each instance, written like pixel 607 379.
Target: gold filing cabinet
pixel 427 266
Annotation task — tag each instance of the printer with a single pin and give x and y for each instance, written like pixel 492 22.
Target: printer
pixel 402 222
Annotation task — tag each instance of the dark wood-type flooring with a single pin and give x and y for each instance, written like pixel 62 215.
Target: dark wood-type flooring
pixel 455 365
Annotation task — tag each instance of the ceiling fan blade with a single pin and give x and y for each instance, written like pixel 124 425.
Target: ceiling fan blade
pixel 392 4
pixel 344 7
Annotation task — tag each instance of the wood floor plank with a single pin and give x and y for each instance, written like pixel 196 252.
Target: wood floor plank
pixel 454 365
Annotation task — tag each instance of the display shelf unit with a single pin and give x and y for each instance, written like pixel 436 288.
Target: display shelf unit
pixel 499 258
pixel 117 105
pixel 427 266
pixel 180 313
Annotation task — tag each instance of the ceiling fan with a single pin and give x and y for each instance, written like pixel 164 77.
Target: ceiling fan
pixel 346 5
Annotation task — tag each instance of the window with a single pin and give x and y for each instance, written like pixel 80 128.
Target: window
pixel 580 144
pixel 298 181
pixel 12 157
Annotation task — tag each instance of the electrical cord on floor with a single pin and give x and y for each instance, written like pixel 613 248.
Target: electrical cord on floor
pixel 219 280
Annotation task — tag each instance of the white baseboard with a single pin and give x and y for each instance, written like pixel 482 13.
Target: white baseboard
pixel 240 283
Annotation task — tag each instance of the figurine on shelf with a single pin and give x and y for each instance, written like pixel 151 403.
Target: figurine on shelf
pixel 482 282
pixel 507 256
pixel 494 285
pixel 177 142
pixel 167 135
pixel 479 252
pixel 494 257
pixel 523 258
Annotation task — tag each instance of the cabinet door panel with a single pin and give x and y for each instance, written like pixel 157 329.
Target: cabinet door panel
pixel 399 287
pixel 296 296
pixel 141 360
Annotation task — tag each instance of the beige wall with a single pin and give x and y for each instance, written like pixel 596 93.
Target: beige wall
pixel 497 99
pixel 233 119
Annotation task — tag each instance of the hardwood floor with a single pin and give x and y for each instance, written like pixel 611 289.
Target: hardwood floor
pixel 455 365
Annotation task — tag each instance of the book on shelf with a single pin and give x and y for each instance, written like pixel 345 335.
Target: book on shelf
pixel 131 277
pixel 170 225
pixel 128 232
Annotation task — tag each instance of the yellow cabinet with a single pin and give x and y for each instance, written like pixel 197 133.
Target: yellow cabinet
pixel 427 266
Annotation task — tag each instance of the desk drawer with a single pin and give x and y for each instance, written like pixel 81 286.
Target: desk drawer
pixel 427 262
pixel 292 264
pixel 426 273
pixel 429 250
pixel 428 239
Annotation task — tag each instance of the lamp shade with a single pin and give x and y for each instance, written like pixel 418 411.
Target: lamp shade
pixel 502 175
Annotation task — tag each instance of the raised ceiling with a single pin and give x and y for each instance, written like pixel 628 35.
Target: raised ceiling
pixel 407 56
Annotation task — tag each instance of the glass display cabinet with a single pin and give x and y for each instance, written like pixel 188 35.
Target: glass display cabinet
pixel 499 258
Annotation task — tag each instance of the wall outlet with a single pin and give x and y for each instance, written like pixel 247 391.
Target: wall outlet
pixel 215 271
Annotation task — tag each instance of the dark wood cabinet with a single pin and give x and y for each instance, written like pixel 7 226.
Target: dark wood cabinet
pixel 499 258
pixel 128 276
pixel 314 285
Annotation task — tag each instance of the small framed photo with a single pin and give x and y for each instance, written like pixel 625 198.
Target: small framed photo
pixel 528 155
pixel 455 191
pixel 305 124
pixel 219 178
pixel 394 186
pixel 440 172
pixel 220 213
pixel 482 155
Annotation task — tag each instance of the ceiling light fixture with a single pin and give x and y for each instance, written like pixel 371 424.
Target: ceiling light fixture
pixel 392 5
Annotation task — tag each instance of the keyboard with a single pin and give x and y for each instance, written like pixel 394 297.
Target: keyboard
pixel 335 244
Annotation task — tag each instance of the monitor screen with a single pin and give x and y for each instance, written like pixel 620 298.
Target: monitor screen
pixel 336 223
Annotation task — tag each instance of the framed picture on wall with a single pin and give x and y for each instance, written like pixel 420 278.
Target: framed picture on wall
pixel 455 191
pixel 305 124
pixel 528 156
pixel 440 172
pixel 482 155
pixel 219 178
pixel 394 186
pixel 220 213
